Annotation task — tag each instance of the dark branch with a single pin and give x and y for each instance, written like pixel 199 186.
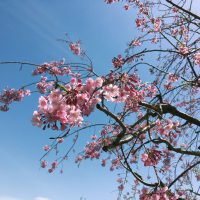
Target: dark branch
pixel 167 108
pixel 184 172
pixel 177 150
pixel 184 10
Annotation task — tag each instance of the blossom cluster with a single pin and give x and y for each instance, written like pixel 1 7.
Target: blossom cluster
pixel 164 194
pixel 152 157
pixel 157 24
pixel 93 149
pixel 111 1
pixel 128 89
pixel 10 95
pixel 53 165
pixel 141 22
pixel 172 78
pixel 197 58
pixel 118 61
pixel 164 128
pixel 75 47
pixel 43 85
pixel 183 49
pixel 52 68
pixel 135 42
pixel 67 104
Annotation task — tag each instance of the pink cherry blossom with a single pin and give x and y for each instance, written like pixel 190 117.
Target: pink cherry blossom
pixel 118 61
pixel 60 140
pixel 44 163
pixel 46 148
pixel 75 48
pixel 183 49
pixel 197 58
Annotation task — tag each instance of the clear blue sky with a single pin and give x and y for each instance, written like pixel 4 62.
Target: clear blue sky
pixel 29 32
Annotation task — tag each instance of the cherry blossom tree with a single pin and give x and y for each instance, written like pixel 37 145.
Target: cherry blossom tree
pixel 150 133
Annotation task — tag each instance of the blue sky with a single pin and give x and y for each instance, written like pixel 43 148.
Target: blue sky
pixel 29 32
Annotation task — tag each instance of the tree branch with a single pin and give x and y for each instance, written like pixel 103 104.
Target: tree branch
pixel 136 175
pixel 128 138
pixel 177 150
pixel 184 10
pixel 167 108
pixel 179 176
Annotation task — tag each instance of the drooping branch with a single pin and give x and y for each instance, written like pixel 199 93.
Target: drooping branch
pixel 18 62
pixel 184 172
pixel 136 175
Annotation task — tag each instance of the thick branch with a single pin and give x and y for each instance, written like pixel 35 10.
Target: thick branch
pixel 167 108
pixel 113 116
pixel 128 138
pixel 107 112
pixel 177 150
